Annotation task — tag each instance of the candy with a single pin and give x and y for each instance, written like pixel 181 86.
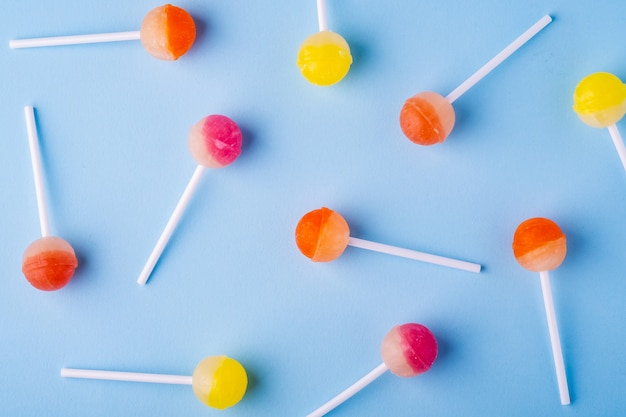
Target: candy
pixel 407 351
pixel 324 58
pixel 323 234
pixel 428 118
pixel 217 381
pixel 48 263
pixel 214 142
pixel 600 101
pixel 167 32
pixel 539 246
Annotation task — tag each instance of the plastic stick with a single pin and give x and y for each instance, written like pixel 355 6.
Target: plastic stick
pixel 321 15
pixel 412 254
pixel 497 60
pixel 171 224
pixel 74 40
pixel 554 338
pixel 619 143
pixel 126 376
pixel 35 156
pixel 350 391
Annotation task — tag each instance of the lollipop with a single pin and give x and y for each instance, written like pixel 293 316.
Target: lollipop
pixel 214 142
pixel 324 57
pixel 323 234
pixel 539 246
pixel 407 351
pixel 428 118
pixel 218 381
pixel 600 101
pixel 167 32
pixel 48 263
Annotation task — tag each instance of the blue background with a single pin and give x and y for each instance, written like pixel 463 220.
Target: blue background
pixel 113 125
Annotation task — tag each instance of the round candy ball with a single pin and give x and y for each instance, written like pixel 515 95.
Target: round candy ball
pixel 324 58
pixel 600 99
pixel 219 382
pixel 167 32
pixel 49 263
pixel 322 235
pixel 409 350
pixel 427 118
pixel 539 245
pixel 215 141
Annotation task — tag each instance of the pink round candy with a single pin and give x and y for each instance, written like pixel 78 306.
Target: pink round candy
pixel 409 349
pixel 215 141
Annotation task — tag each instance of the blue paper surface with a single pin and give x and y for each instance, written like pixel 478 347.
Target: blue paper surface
pixel 113 125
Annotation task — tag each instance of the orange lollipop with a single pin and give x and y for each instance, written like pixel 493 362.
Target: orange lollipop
pixel 539 246
pixel 48 263
pixel 323 234
pixel 428 118
pixel 167 32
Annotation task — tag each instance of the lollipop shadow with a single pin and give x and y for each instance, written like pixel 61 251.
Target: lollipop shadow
pixel 248 141
pixel 203 30
pixel 360 57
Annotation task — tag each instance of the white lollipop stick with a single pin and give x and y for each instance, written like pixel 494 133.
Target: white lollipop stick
pixel 35 156
pixel 321 15
pixel 554 337
pixel 411 254
pixel 350 391
pixel 619 143
pixel 126 376
pixel 74 40
pixel 171 224
pixel 497 60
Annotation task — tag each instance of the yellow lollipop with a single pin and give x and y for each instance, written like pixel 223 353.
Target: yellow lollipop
pixel 324 58
pixel 600 101
pixel 218 381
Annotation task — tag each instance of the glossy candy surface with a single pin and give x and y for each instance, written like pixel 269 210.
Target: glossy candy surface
pixel 215 141
pixel 324 58
pixel 49 263
pixel 219 382
pixel 409 349
pixel 322 235
pixel 167 32
pixel 539 245
pixel 427 118
pixel 600 99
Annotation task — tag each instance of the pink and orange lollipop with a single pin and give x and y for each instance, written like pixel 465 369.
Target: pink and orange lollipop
pixel 539 246
pixel 214 142
pixel 167 32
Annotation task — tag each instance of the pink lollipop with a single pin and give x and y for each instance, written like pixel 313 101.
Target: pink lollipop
pixel 214 142
pixel 407 351
pixel 48 263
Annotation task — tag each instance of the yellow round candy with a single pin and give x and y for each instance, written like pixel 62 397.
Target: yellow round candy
pixel 324 58
pixel 219 382
pixel 600 99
